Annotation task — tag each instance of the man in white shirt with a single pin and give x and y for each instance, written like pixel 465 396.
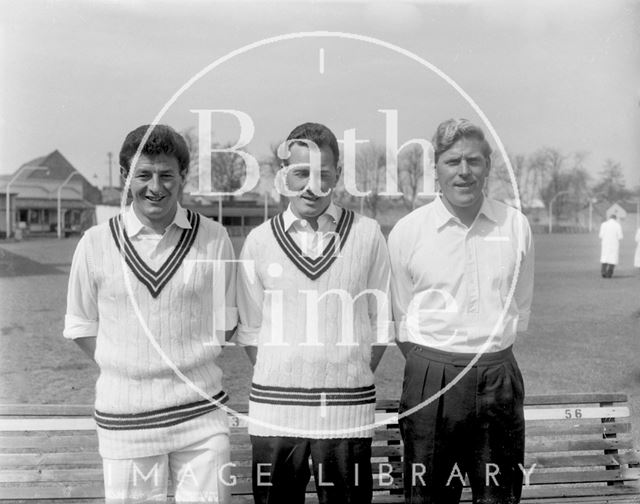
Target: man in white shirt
pixel 462 283
pixel 141 303
pixel 610 236
pixel 309 321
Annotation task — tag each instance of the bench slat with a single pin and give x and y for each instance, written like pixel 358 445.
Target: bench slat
pixel 48 410
pixel 48 443
pixel 557 461
pixel 532 431
pixel 66 475
pixel 96 491
pixel 531 414
pixel 44 459
pixel 570 414
pixel 540 478
pixel 568 445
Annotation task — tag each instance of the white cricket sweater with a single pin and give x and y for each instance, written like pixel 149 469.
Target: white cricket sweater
pixel 143 407
pixel 306 384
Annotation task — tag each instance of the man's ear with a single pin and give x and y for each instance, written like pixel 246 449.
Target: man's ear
pixel 338 171
pixel 123 175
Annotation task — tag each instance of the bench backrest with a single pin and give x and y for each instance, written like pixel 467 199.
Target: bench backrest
pixel 577 445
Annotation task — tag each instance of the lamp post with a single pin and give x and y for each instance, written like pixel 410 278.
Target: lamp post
pixel 60 201
pixel 551 209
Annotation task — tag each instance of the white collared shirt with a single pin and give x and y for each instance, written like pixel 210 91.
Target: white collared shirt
pixel 451 284
pixel 153 247
pixel 310 241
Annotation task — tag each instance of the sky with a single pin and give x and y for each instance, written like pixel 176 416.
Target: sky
pixel 78 75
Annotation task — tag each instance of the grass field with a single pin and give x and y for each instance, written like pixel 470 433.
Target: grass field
pixel 584 334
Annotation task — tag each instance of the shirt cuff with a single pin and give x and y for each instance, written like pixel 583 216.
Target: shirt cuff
pixel 76 327
pixel 247 336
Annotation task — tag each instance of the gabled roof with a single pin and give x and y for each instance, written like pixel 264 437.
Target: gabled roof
pixel 57 167
pixel 54 169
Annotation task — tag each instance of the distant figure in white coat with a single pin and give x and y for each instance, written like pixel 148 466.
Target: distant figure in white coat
pixel 610 236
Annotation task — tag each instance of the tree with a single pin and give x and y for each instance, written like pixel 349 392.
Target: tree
pixel 227 169
pixel 371 174
pixel 548 165
pixel 411 174
pixel 611 184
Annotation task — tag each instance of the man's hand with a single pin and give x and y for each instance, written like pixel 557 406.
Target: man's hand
pixel 87 345
pixel 252 353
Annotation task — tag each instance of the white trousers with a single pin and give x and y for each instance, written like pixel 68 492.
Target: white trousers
pixel 200 474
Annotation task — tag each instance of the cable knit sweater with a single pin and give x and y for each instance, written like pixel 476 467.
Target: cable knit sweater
pixel 143 405
pixel 312 377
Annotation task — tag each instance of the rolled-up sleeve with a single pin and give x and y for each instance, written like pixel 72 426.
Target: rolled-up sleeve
pixel 81 318
pixel 250 295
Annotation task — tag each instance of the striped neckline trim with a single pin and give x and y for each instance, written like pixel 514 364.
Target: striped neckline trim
pixel 313 268
pixel 153 280
pixel 159 418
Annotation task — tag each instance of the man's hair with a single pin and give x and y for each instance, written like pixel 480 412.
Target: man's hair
pixel 162 139
pixel 452 130
pixel 318 134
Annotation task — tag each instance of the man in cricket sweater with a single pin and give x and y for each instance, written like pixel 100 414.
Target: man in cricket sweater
pixel 149 299
pixel 312 300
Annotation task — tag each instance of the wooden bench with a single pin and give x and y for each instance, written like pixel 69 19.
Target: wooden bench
pixel 581 446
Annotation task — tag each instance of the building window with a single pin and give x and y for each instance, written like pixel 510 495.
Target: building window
pixel 23 215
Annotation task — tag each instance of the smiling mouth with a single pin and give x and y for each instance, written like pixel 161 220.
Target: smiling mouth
pixel 464 185
pixel 310 197
pixel 154 199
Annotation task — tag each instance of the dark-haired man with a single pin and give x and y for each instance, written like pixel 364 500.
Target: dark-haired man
pixel 140 302
pixel 462 283
pixel 309 317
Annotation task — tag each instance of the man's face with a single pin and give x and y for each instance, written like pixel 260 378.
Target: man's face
pixel 461 173
pixel 156 186
pixel 309 205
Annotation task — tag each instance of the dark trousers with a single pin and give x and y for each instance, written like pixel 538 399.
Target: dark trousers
pixel 476 428
pixel 607 270
pixel 341 469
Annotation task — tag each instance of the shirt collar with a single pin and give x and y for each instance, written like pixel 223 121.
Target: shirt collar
pixel 134 226
pixel 488 210
pixel 444 216
pixel 289 218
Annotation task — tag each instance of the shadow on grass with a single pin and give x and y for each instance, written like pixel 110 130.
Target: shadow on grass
pixel 14 265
